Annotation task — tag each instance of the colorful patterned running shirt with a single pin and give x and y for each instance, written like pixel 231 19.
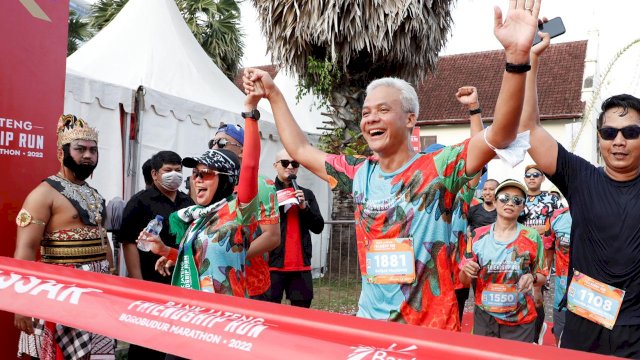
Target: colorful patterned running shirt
pixel 459 223
pixel 258 276
pixel 212 253
pixel 539 208
pixel 504 263
pixel 558 237
pixel 415 201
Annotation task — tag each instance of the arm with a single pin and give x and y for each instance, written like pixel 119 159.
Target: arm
pixel 516 36
pixel 132 260
pixel 259 82
pixel 544 148
pixel 38 203
pixel 469 272
pixel 468 96
pixel 248 184
pixel 311 215
pixel 267 241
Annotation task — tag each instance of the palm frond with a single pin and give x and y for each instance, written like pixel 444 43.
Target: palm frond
pixel 402 37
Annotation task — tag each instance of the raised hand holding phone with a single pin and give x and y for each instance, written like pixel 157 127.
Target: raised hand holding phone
pixel 554 27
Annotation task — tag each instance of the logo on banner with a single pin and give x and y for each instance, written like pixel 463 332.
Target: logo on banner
pixel 35 10
pixel 415 139
pixel 363 352
pixel 17 138
pixel 37 287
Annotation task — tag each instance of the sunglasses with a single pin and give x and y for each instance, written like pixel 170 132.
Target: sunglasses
pixel 285 163
pixel 206 174
pixel 630 132
pixel 515 200
pixel 534 175
pixel 221 142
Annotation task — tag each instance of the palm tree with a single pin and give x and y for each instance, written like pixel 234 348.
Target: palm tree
pixel 338 46
pixel 214 23
pixel 79 32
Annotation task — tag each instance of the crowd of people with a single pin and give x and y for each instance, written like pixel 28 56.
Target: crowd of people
pixel 422 242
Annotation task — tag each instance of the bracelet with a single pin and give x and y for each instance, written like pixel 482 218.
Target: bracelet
pixel 517 68
pixel 475 111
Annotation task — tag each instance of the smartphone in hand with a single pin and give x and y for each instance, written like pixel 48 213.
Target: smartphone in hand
pixel 553 27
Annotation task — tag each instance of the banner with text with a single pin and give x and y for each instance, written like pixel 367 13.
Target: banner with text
pixel 32 75
pixel 198 325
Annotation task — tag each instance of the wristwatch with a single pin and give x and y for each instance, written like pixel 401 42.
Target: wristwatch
pixel 253 114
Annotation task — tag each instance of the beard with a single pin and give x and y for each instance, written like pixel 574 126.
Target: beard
pixel 80 171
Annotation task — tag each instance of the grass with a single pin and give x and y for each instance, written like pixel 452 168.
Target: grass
pixel 336 295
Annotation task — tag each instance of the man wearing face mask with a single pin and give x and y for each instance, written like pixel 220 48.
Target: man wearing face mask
pixel 162 198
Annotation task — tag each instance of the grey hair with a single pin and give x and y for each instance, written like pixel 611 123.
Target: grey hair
pixel 408 94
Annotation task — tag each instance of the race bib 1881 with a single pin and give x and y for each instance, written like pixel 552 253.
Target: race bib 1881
pixel 390 261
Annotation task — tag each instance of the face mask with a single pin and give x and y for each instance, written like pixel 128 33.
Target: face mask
pixel 171 180
pixel 80 171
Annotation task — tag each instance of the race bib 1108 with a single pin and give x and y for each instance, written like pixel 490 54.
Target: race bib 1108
pixel 594 300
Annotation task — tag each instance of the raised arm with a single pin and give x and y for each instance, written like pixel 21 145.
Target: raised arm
pixel 468 96
pixel 544 148
pixel 259 83
pixel 248 184
pixel 515 34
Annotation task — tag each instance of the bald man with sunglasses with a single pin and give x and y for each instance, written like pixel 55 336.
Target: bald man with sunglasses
pixel 290 262
pixel 603 296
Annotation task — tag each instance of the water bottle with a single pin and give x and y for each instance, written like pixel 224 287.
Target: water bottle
pixel 154 227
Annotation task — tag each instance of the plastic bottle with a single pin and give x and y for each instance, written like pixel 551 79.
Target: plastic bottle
pixel 154 227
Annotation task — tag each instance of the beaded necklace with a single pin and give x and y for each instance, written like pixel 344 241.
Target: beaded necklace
pixel 91 201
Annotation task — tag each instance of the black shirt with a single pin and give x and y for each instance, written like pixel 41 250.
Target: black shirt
pixel 605 233
pixel 140 209
pixel 478 216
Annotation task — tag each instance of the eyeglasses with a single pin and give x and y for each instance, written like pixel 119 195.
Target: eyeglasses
pixel 285 163
pixel 206 174
pixel 630 132
pixel 534 175
pixel 515 200
pixel 221 142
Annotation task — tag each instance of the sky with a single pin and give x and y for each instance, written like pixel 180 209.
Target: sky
pixel 472 30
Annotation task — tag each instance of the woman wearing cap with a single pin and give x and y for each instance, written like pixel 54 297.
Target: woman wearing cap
pixel 215 233
pixel 503 262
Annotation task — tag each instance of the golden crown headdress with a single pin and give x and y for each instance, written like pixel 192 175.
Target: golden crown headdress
pixel 72 128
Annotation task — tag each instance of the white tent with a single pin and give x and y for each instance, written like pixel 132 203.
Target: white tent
pixel 147 62
pixel 305 110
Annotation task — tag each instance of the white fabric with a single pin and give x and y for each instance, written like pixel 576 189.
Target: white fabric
pixel 305 111
pixel 84 98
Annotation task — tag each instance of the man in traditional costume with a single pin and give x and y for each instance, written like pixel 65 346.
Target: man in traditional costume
pixel 61 223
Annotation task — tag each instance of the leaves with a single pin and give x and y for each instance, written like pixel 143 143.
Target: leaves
pixel 79 32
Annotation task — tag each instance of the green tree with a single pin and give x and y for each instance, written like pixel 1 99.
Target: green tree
pixel 214 23
pixel 338 46
pixel 79 32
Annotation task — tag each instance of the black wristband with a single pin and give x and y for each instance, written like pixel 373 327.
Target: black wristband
pixel 517 68
pixel 475 111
